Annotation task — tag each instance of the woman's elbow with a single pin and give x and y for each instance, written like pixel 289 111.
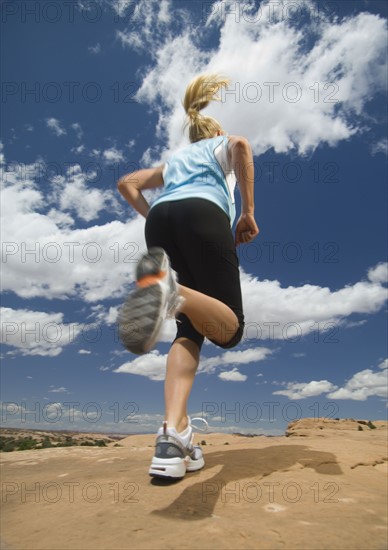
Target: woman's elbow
pixel 125 182
pixel 121 184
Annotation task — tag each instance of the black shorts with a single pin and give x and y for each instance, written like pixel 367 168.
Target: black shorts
pixel 197 237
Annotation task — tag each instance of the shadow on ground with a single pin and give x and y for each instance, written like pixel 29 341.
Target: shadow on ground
pixel 198 501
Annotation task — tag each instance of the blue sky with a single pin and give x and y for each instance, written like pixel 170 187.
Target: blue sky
pixel 92 90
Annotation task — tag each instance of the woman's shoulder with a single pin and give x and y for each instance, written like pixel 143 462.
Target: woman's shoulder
pixel 238 139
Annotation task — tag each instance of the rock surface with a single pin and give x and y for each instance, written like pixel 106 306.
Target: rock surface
pixel 307 426
pixel 324 490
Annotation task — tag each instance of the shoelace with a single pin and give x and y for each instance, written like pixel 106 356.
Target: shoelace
pixel 190 424
pixel 196 427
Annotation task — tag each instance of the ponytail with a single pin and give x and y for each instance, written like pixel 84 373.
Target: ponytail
pixel 201 90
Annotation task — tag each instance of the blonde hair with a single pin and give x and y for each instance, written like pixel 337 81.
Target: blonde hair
pixel 201 90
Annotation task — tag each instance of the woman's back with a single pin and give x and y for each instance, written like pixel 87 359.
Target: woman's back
pixel 203 169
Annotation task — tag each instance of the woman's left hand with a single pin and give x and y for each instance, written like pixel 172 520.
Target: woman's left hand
pixel 246 229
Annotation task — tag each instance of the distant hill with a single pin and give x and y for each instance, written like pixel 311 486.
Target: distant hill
pixel 20 439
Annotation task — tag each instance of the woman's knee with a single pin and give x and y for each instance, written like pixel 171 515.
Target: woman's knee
pixel 235 338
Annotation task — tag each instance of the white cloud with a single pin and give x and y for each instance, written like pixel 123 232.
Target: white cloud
pixel 246 356
pixel 55 126
pixel 164 15
pixel 21 416
pixel 78 150
pixel 52 409
pixel 86 5
pixel 383 364
pixel 232 376
pixel 44 256
pixel 131 144
pixel 88 263
pixel 95 49
pixel 380 147
pixel 113 155
pixel 320 75
pixel 77 129
pixel 104 315
pixel 379 273
pixel 353 324
pixel 209 364
pixel 62 389
pixel 121 6
pixel 73 193
pixel 310 389
pixel 61 219
pixel 148 23
pixel 273 312
pixel 153 365
pixel 359 387
pixel 364 384
pixel 84 352
pixel 36 332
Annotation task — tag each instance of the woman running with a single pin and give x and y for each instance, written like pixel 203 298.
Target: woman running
pixel 191 269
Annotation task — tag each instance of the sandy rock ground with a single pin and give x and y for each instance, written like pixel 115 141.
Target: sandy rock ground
pixel 325 489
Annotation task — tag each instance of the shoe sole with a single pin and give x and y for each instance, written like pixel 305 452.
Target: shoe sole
pixel 140 319
pixel 174 467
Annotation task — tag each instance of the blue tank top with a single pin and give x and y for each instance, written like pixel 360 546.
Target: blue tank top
pixel 201 170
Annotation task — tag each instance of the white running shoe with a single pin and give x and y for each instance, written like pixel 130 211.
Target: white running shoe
pixel 175 453
pixel 155 298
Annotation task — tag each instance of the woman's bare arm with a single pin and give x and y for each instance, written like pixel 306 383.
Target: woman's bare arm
pixel 242 164
pixel 131 187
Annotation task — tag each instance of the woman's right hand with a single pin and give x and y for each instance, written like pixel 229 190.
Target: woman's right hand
pixel 246 229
